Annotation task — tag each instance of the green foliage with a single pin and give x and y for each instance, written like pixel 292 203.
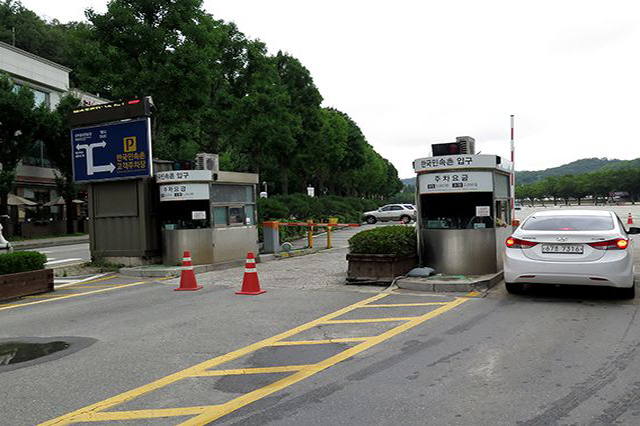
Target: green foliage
pixel 300 207
pixel 21 124
pixel 586 165
pixel 215 91
pixel 597 185
pixel 397 240
pixel 57 148
pixel 21 261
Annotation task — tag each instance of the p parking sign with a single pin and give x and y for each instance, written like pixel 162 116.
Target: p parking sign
pixel 112 151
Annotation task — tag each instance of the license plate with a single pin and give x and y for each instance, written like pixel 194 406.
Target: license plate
pixel 563 248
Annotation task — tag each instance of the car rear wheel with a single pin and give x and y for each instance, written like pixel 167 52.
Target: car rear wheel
pixel 405 219
pixel 627 293
pixel 371 220
pixel 514 288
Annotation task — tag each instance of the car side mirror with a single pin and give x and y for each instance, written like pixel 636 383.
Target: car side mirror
pixel 633 231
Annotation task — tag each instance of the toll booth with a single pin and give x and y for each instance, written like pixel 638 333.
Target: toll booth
pixel 141 210
pixel 464 206
pixel 212 213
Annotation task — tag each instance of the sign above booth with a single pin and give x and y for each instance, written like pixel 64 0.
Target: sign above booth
pixel 464 181
pixel 461 161
pixel 184 176
pixel 184 192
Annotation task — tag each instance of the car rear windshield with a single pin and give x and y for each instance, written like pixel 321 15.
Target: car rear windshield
pixel 409 206
pixel 568 223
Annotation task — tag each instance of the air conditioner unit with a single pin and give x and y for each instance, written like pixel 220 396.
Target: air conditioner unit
pixel 206 161
pixel 467 145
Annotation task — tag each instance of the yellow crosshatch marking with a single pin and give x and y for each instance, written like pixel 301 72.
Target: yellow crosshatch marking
pixel 206 414
pixel 130 144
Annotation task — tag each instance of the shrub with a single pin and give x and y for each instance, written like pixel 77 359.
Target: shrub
pixel 21 261
pixel 271 208
pixel 396 240
pixel 320 209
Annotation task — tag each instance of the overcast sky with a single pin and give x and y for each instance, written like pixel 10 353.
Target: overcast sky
pixel 412 73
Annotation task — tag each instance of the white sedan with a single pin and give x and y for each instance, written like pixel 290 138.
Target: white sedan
pixel 584 247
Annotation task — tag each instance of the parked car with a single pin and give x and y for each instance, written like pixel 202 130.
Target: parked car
pixel 585 247
pixel 403 212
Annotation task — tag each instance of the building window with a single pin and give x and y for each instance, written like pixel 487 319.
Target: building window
pixel 39 97
pixel 36 156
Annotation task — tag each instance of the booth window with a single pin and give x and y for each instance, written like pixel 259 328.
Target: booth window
pixel 233 205
pixel 220 216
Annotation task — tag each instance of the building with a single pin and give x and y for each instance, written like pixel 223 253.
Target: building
pixel 35 181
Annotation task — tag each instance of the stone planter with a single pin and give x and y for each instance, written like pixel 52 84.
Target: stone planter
pixel 25 283
pixel 380 268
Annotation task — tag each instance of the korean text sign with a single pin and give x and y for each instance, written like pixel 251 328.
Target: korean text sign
pixel 112 151
pixel 462 181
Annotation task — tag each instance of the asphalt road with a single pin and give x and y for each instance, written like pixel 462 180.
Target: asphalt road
pixel 66 255
pixel 554 356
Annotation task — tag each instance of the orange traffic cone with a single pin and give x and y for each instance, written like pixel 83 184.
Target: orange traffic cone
pixel 630 220
pixel 187 276
pixel 250 282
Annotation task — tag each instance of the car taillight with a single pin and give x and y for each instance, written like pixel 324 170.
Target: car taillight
pixel 616 244
pixel 518 243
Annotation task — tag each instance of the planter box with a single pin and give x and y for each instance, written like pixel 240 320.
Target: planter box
pixel 25 283
pixel 381 268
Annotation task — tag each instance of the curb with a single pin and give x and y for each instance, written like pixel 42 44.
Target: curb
pixel 434 285
pixel 174 271
pixel 64 241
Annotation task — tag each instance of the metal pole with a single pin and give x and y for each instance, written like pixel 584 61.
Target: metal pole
pixel 513 173
pixel 310 234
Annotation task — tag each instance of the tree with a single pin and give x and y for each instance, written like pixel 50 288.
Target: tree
pixel 166 49
pixel 305 100
pixel 58 149
pixel 21 125
pixel 263 124
pixel 215 91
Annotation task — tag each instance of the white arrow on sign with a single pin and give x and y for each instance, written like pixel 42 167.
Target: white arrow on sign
pixel 91 169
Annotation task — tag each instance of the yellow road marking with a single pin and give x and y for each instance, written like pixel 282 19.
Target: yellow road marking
pixel 144 414
pixel 51 299
pixel 364 320
pixel 45 296
pixel 400 305
pixel 198 368
pixel 97 286
pixel 320 342
pixel 217 411
pixel 301 372
pixel 256 370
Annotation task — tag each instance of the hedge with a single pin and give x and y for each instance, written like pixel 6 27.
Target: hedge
pixel 302 207
pixel 396 240
pixel 21 261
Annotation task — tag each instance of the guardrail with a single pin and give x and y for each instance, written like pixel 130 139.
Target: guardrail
pixel 272 235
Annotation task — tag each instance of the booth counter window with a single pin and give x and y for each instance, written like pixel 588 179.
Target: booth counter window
pixel 233 205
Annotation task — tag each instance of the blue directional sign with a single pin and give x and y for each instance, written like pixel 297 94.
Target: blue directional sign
pixel 112 151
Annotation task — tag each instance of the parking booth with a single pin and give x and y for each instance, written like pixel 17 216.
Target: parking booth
pixel 211 213
pixel 464 212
